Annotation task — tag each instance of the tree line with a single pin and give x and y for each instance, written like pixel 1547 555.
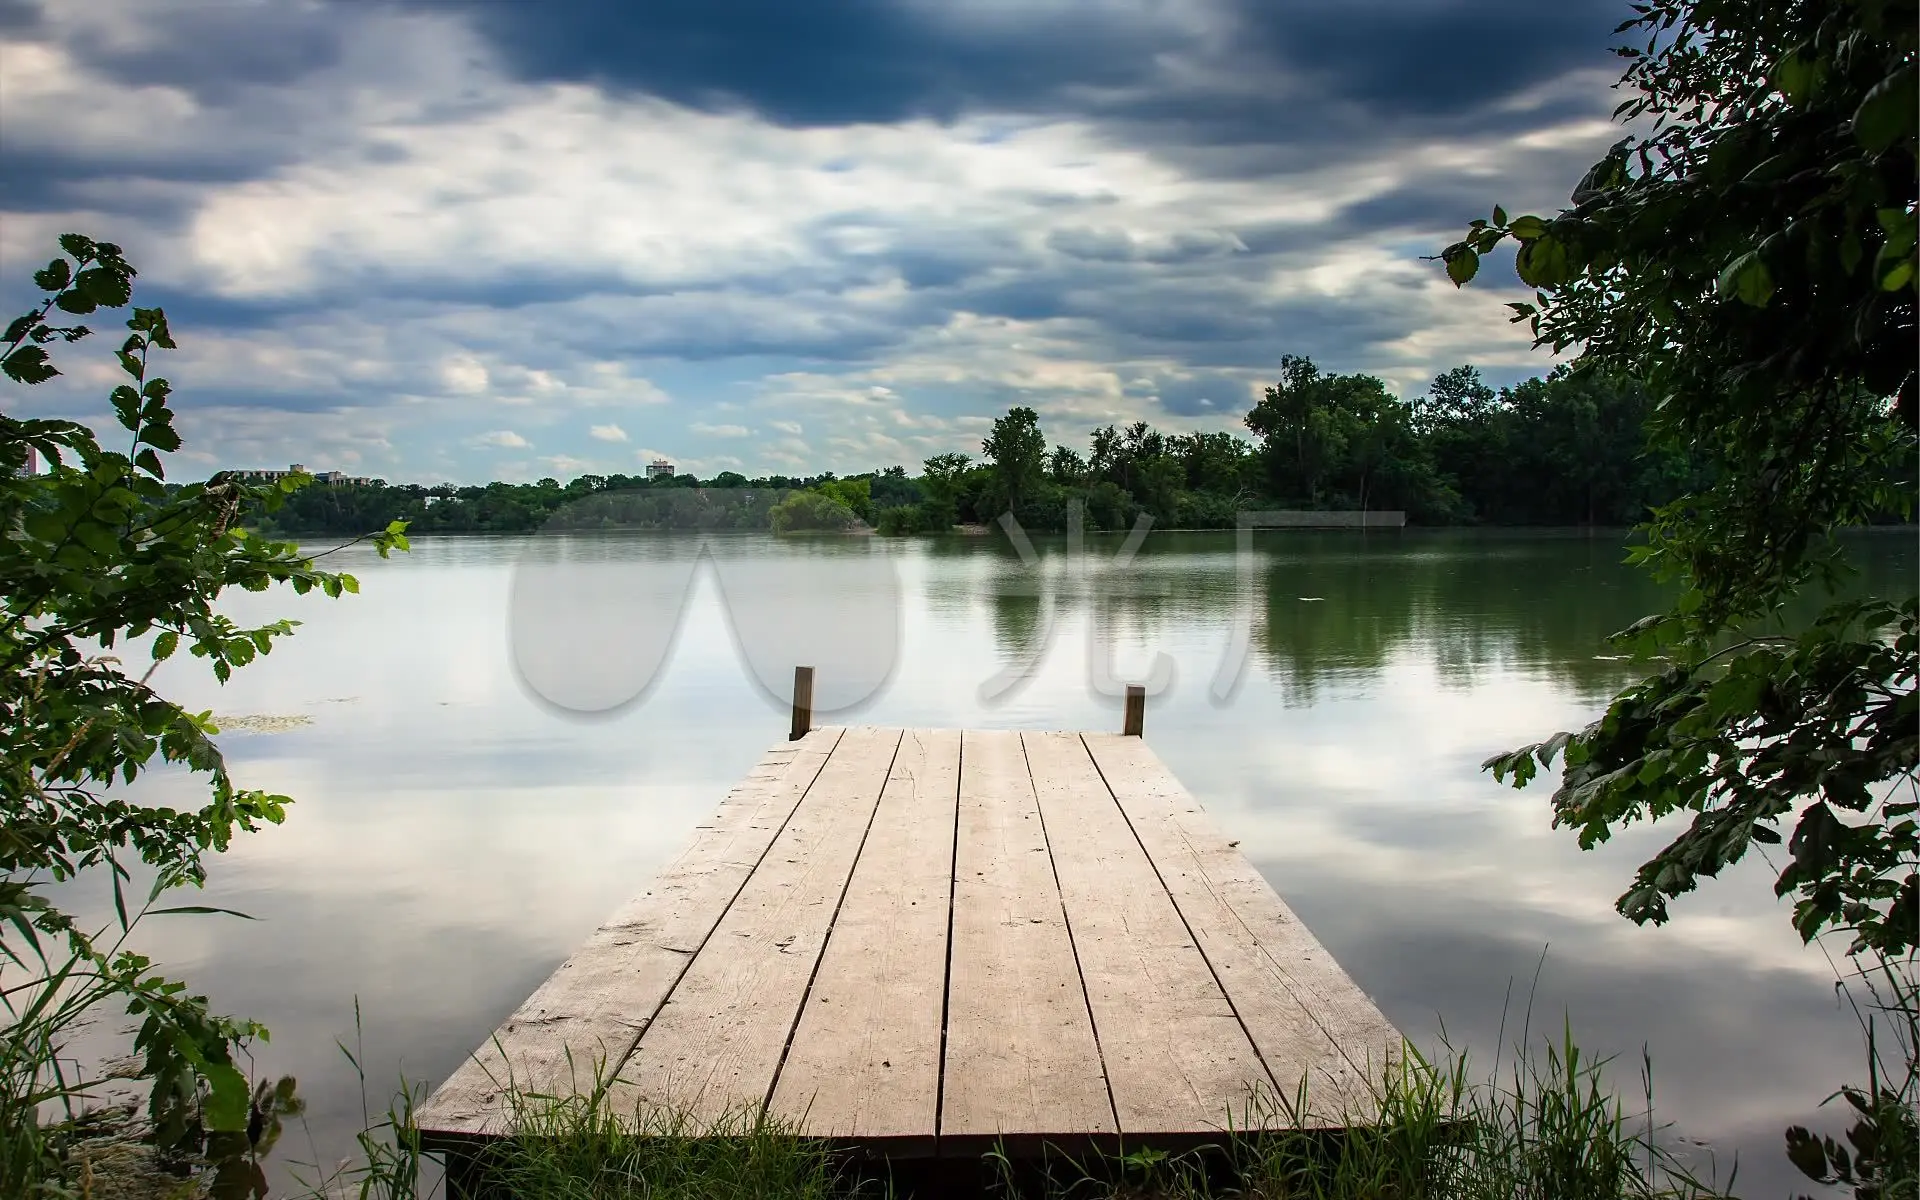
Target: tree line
pixel 1564 449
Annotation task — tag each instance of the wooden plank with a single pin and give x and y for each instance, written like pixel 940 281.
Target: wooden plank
pixel 601 999
pixel 714 1050
pixel 1308 1019
pixel 1177 1059
pixel 1021 1057
pixel 865 1058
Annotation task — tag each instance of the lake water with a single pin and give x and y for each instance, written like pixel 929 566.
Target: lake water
pixel 461 825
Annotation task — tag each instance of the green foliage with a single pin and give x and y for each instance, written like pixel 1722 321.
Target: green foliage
pixel 1564 450
pixel 1710 260
pixel 95 553
pixel 812 511
pixel 1751 260
pixel 855 495
pixel 1741 737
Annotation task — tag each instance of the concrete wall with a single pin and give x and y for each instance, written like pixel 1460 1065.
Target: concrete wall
pixel 1299 519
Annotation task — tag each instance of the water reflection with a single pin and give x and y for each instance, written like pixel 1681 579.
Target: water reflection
pixel 452 839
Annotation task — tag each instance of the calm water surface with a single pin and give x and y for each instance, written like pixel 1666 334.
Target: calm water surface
pixel 456 834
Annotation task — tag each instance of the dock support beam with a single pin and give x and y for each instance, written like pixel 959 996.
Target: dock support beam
pixel 1136 711
pixel 802 703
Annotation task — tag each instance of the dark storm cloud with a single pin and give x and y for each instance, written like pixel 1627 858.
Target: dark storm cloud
pixel 828 62
pixel 18 17
pixel 1417 58
pixel 213 50
pixel 1268 73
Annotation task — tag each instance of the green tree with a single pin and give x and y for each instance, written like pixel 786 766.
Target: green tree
pixel 1018 451
pixel 1065 467
pixel 1212 462
pixel 1751 259
pixel 95 554
pixel 855 494
pixel 809 512
pixel 1298 422
pixel 944 478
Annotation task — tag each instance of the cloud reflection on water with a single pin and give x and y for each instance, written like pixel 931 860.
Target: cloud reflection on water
pixel 452 840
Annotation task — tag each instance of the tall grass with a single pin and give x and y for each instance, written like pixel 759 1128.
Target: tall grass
pixel 578 1146
pixel 1549 1128
pixel 1878 1156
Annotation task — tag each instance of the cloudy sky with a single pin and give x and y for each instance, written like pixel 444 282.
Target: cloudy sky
pixel 479 239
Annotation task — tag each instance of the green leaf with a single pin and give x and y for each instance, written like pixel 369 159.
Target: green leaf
pixel 105 287
pixel 1748 278
pixel 164 644
pixel 1850 252
pixel 1527 228
pixel 1796 77
pixel 149 462
pixel 1462 264
pixel 1499 215
pixel 229 1101
pixel 78 245
pixel 54 276
pixel 1542 262
pixel 29 364
pixel 204 908
pixel 74 301
pixel 1888 111
pixel 126 406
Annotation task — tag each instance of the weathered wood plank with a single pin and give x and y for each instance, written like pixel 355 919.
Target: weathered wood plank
pixel 1177 1059
pixel 1021 1058
pixel 713 1051
pixel 600 1000
pixel 1306 1016
pixel 865 1058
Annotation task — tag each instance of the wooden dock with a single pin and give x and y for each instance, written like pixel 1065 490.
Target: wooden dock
pixel 931 941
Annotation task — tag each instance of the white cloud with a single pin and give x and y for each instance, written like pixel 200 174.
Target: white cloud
pixel 607 433
pixel 792 427
pixel 504 439
pixel 724 431
pixel 463 373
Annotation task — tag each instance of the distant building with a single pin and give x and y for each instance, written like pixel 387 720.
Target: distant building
pixel 330 478
pixel 32 465
pixel 659 468
pixel 267 474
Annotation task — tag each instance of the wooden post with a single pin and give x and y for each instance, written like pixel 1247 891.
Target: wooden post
pixel 1136 711
pixel 802 702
